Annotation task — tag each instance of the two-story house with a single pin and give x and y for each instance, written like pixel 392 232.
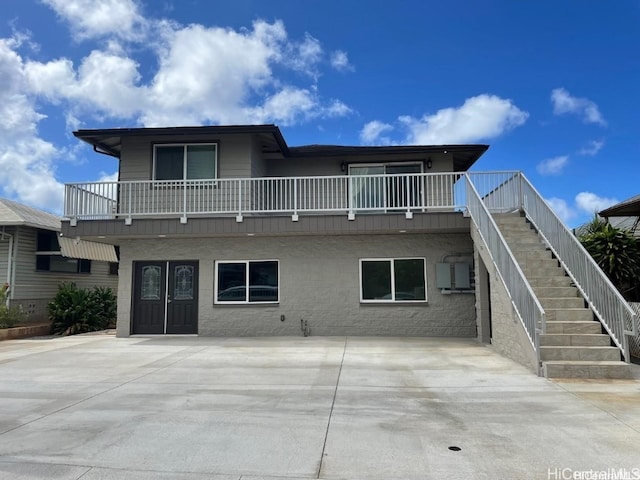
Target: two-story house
pixel 228 231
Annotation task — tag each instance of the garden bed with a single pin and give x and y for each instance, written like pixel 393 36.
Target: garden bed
pixel 25 331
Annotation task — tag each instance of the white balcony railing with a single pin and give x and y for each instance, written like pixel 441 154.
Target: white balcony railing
pixel 268 195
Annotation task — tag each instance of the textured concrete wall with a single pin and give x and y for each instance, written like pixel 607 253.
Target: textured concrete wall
pixel 508 335
pixel 319 283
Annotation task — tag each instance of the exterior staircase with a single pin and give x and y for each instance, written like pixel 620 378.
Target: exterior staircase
pixel 575 345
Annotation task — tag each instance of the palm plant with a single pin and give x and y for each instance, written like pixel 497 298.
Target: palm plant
pixel 616 251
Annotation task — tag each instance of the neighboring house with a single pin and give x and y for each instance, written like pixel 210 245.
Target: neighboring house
pixel 228 231
pixel 34 259
pixel 625 214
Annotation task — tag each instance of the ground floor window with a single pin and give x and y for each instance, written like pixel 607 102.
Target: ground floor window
pixel 393 280
pixel 250 281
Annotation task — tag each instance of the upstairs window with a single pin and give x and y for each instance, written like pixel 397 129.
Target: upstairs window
pixel 185 162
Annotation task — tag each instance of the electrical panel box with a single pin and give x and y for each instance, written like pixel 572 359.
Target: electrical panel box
pixel 454 276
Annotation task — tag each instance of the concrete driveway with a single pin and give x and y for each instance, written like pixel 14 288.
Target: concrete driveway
pixel 188 408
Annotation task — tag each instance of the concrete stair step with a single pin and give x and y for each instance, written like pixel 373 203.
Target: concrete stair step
pixel 568 314
pixel 583 353
pixel 585 369
pixel 504 218
pixel 521 239
pixel 539 262
pixel 561 302
pixel 549 281
pixel 576 340
pixel 556 292
pixel 543 271
pixel 527 255
pixel 573 327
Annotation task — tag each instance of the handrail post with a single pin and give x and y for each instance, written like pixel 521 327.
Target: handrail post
pixel 350 188
pixel 294 217
pixel 239 216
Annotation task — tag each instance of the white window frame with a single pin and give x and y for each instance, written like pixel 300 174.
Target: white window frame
pixel 248 285
pixel 393 300
pixel 184 160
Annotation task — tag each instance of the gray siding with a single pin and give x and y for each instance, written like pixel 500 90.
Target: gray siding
pixel 33 289
pixel 234 155
pixel 441 222
pixel 4 255
pixel 321 166
pixel 319 283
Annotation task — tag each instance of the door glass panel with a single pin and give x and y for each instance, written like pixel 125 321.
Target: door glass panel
pixel 151 278
pixel 201 161
pixel 403 191
pixel 367 193
pixel 183 282
pixel 169 162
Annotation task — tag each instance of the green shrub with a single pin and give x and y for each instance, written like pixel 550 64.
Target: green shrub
pixel 9 316
pixel 616 251
pixel 76 310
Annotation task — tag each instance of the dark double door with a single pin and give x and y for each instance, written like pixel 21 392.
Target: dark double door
pixel 165 297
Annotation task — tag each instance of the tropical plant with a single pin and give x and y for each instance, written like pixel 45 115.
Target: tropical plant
pixel 76 310
pixel 616 251
pixel 10 316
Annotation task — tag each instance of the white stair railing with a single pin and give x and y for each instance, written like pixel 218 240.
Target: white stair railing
pixel 523 299
pixel 511 191
pixel 609 306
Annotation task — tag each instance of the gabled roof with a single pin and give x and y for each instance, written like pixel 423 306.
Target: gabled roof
pixel 13 213
pixel 627 208
pixel 109 142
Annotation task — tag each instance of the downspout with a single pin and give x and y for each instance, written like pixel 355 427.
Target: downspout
pixel 9 263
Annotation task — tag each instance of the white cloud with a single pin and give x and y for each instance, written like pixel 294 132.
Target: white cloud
pixel 196 64
pixel 370 133
pixel 203 75
pixel 591 203
pixel 553 166
pixel 108 177
pixel 592 148
pixel 305 55
pixel 564 103
pixel 340 61
pixel 91 19
pixel 479 118
pixel 562 209
pixel 26 161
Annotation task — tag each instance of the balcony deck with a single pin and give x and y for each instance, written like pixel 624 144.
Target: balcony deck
pixel 294 196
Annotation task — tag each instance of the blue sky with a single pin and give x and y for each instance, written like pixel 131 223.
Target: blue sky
pixel 551 86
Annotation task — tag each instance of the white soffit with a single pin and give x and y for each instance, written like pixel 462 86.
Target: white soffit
pixel 87 250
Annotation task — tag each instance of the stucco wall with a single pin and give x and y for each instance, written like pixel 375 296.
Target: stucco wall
pixel 319 283
pixel 508 336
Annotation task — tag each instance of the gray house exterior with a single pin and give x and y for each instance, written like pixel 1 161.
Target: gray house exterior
pixel 228 231
pixel 33 263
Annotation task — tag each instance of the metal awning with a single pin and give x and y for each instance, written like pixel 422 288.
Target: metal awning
pixel 87 250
